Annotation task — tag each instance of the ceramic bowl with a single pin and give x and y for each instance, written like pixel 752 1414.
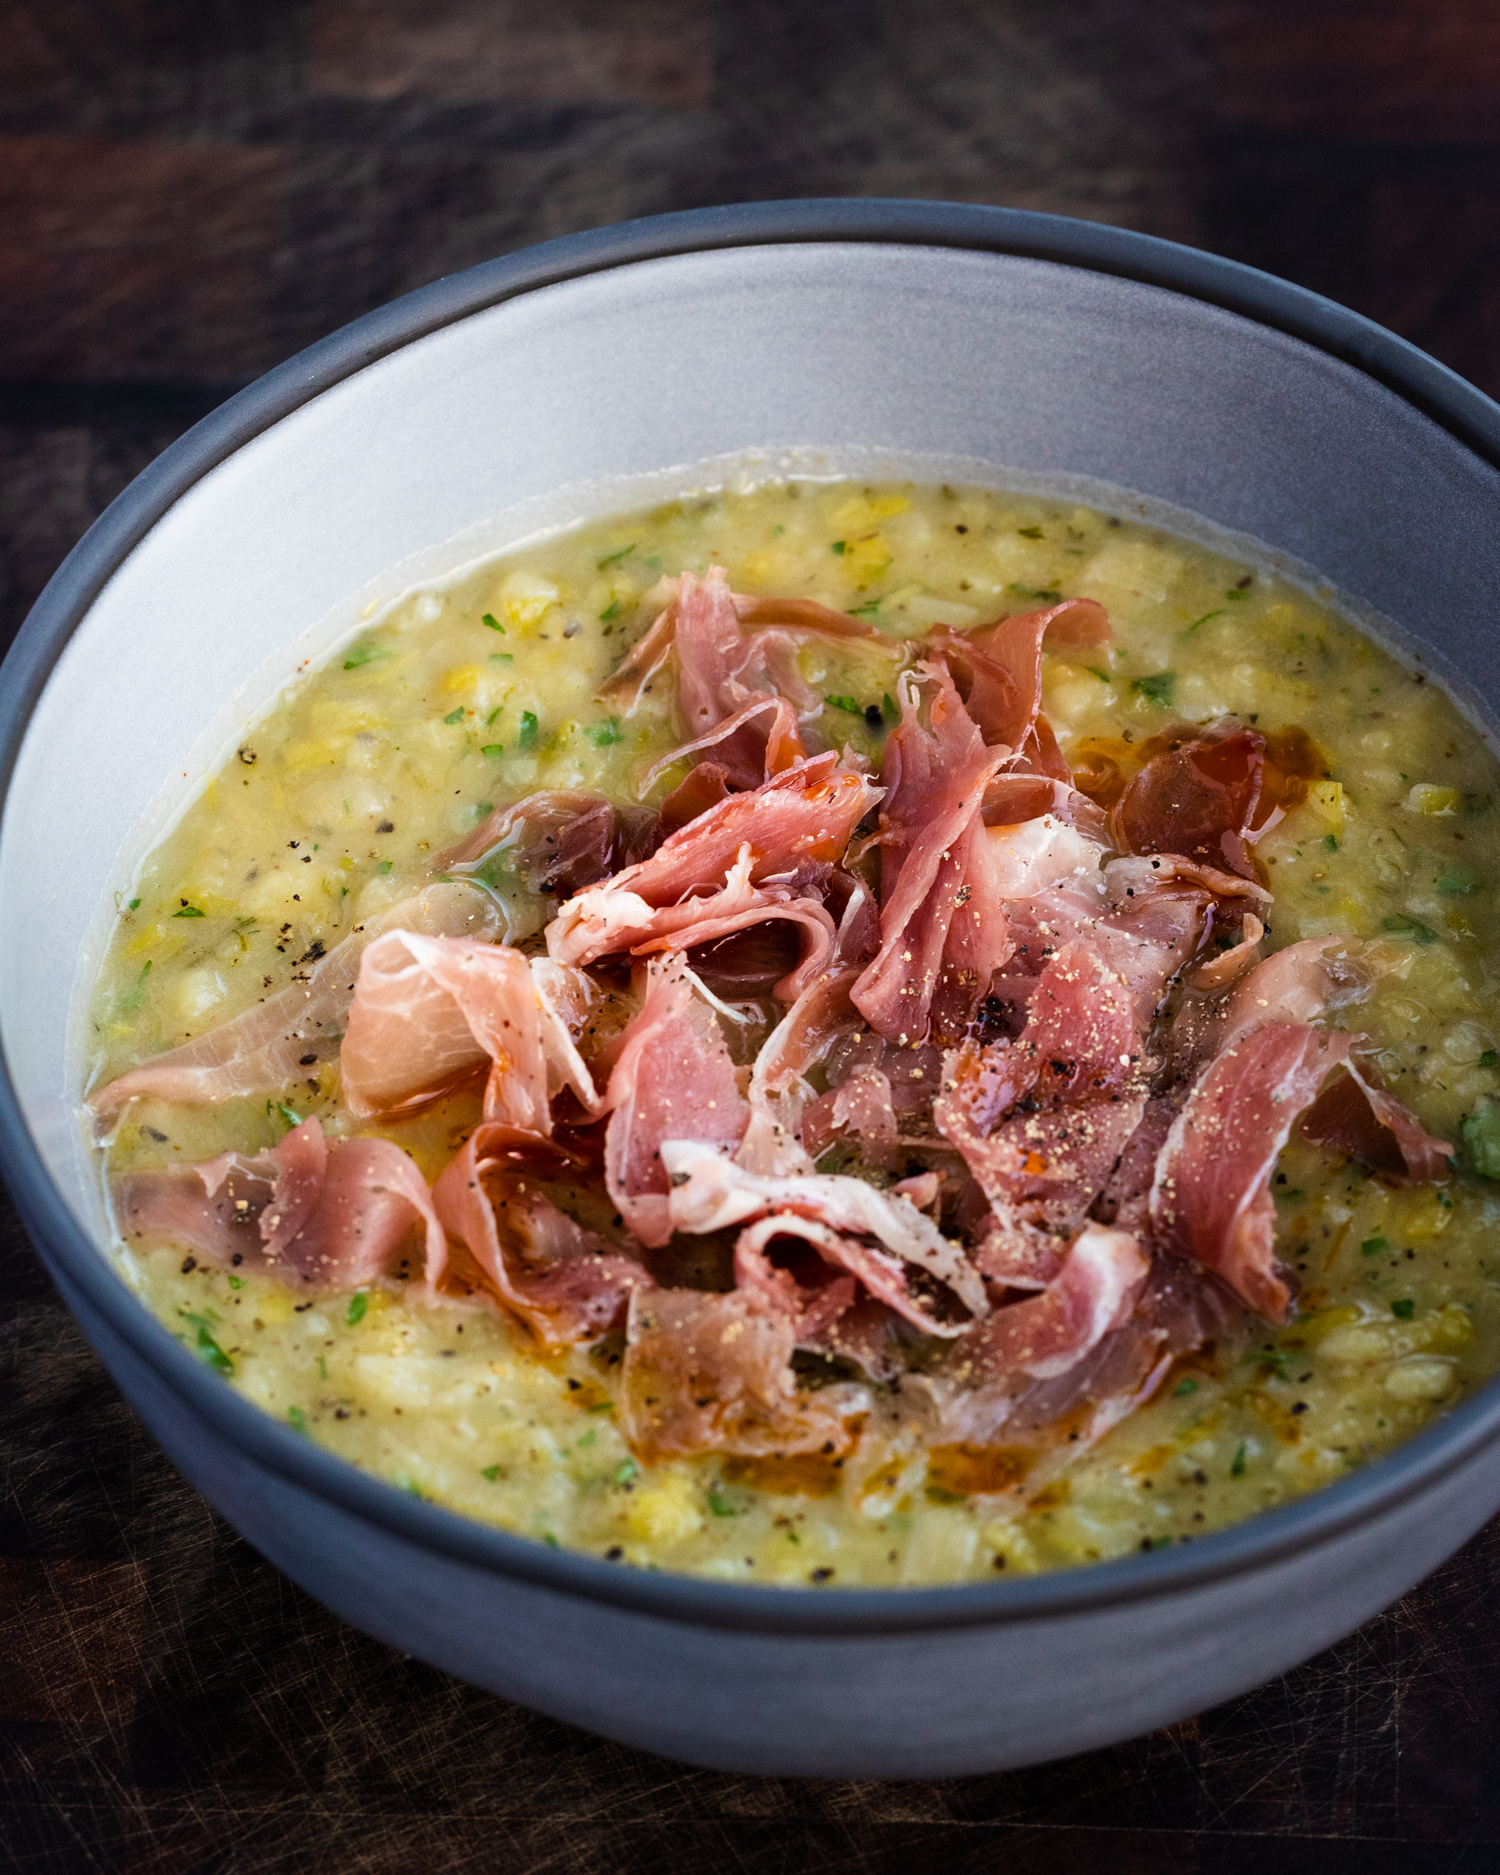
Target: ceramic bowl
pixel 553 383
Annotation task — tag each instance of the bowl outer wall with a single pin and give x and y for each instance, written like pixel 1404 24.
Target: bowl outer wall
pixel 1166 392
pixel 941 1703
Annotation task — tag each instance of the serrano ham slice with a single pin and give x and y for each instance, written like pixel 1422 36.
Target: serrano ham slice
pixel 565 1283
pixel 1198 797
pixel 943 932
pixel 279 1040
pixel 672 1079
pixel 328 1215
pixel 1211 1198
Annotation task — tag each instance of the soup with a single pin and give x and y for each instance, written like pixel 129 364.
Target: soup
pixel 829 1035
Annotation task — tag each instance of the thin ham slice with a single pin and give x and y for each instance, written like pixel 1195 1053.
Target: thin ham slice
pixel 943 931
pixel 565 1283
pixel 1301 983
pixel 290 1034
pixel 1000 669
pixel 756 742
pixel 1211 1198
pixel 712 1373
pixel 713 869
pixel 557 841
pixel 1093 1293
pixel 710 1192
pixel 1198 796
pixel 330 1215
pixel 672 1079
pixel 427 1012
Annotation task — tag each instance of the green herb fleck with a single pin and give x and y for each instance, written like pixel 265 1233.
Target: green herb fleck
pixel 1403 1310
pixel 1093 671
pixel 322 1368
pixel 611 612
pixel 367 651
pixel 188 911
pixel 455 716
pixel 628 1472
pixel 619 554
pixel 588 1439
pixel 603 734
pixel 1236 592
pixel 493 749
pixel 1237 1464
pixel 298 1418
pixel 358 1303
pixel 1030 533
pixel 134 905
pixel 889 708
pixel 527 736
pixel 493 714
pixel 1372 1246
pixel 492 1472
pixel 136 994
pixel 206 1348
pixel 1184 1388
pixel 236 1282
pixel 494 623
pixel 870 609
pixel 1406 927
pixel 550 1540
pixel 1218 612
pixel 846 704
pixel 840 545
pixel 502 657
pixel 1488 1058
pixel 1158 688
pixel 602 1406
pixel 1453 882
pixel 289 1114
pixel 1331 841
pixel 718 1503
pixel 385 867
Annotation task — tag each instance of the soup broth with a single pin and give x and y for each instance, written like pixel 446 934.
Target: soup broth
pixel 342 800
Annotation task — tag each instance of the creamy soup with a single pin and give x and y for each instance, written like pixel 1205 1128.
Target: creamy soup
pixel 961 1438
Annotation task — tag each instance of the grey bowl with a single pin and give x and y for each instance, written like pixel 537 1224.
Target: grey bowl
pixel 451 421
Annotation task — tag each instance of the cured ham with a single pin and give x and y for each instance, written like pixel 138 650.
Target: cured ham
pixel 707 1372
pixel 672 1079
pixel 328 1215
pixel 558 841
pixel 710 1192
pixel 1197 796
pixel 292 1033
pixel 427 1012
pixel 736 862
pixel 1211 1197
pixel 818 1308
pixel 943 930
pixel 566 1284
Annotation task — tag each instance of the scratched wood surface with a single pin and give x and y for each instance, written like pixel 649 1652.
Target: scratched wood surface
pixel 192 189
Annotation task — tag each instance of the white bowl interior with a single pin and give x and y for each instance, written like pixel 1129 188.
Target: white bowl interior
pixel 589 395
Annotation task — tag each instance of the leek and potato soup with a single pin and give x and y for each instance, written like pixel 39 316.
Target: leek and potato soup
pixel 829 1035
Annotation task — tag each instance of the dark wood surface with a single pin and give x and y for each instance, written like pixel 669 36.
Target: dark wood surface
pixel 192 189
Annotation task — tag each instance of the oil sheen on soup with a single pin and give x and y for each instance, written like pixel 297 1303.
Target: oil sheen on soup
pixel 830 1035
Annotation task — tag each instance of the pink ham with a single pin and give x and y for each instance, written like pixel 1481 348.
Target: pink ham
pixel 1092 1294
pixel 1211 1198
pixel 332 1216
pixel 1301 983
pixel 1001 667
pixel 877 1273
pixel 558 841
pixel 288 1035
pixel 861 1106
pixel 672 1079
pixel 943 931
pixel 713 1373
pixel 768 725
pixel 1197 797
pixel 428 1012
pixel 563 1282
pixel 709 1192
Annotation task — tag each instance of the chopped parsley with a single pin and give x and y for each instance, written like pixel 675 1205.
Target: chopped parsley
pixel 1158 688
pixel 289 1114
pixel 358 1303
pixel 588 1439
pixel 1404 1310
pixel 628 1472
pixel 188 911
pixel 1237 1464
pixel 889 708
pixel 526 739
pixel 1453 882
pixel 718 1503
pixel 206 1348
pixel 492 749
pixel 136 994
pixel 493 714
pixel 603 734
pixel 611 612
pixel 1184 1388
pixel 1218 612
pixel 870 609
pixel 840 546
pixel 494 623
pixel 236 1282
pixel 613 559
pixel 367 651
pixel 502 657
pixel 385 867
pixel 1331 841
pixel 1407 927
pixel 846 704
pixel 1488 1058
pixel 1031 533
pixel 134 905
pixel 1372 1246
pixel 455 716
pixel 492 1472
pixel 1094 671
pixel 298 1418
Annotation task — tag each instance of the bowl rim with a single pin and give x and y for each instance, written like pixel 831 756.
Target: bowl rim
pixel 73 1259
